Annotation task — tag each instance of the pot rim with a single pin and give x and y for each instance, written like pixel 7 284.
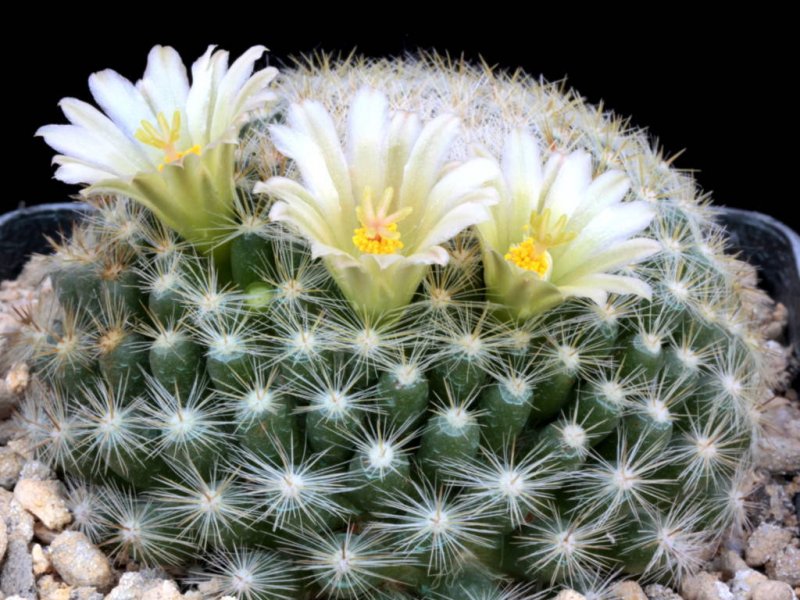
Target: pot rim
pixel 791 235
pixel 36 209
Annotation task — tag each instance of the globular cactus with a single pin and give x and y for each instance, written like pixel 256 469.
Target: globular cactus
pixel 437 363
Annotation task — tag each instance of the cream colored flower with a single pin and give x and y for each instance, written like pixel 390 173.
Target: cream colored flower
pixel 164 142
pixel 379 209
pixel 556 232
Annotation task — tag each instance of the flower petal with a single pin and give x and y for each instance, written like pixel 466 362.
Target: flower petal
pixel 253 95
pixel 448 193
pixel 425 161
pixel 605 191
pixel 223 115
pixel 207 71
pixel 298 208
pixel 619 222
pixel 615 224
pixel 384 261
pixel 522 169
pixel 165 84
pixel 310 160
pixel 519 183
pixel 88 147
pixel 73 171
pixel 457 220
pixel 322 250
pixel 590 285
pixel 120 100
pixel 87 116
pixel 597 295
pixel 621 254
pixel 403 132
pixel 432 255
pixel 366 149
pixel 569 186
pixel 311 119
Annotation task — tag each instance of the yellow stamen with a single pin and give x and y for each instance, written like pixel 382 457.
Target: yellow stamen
pixel 378 233
pixel 549 236
pixel 377 244
pixel 165 138
pixel 526 255
pixel 531 253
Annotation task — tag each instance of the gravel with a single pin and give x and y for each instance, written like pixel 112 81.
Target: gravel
pixel 79 562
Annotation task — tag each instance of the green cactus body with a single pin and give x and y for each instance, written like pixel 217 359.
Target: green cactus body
pixel 599 407
pixel 265 423
pixel 77 285
pixel 460 375
pixel 306 421
pixel 175 359
pixel 453 434
pixel 404 392
pixel 248 252
pixel 643 351
pixel 377 477
pixel 506 407
pixel 123 359
pixel 164 300
pixel 553 393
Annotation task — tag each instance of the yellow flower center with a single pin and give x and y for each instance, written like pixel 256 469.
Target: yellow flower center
pixel 531 253
pixel 378 233
pixel 165 138
pixel 528 256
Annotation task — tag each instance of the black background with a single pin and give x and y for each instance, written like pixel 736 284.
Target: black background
pixel 718 92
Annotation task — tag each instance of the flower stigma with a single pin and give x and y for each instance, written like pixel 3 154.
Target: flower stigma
pixel 165 138
pixel 378 232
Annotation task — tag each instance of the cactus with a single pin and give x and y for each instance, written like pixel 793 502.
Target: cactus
pixel 297 422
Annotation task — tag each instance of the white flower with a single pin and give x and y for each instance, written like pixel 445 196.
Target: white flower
pixel 162 141
pixel 556 232
pixel 379 210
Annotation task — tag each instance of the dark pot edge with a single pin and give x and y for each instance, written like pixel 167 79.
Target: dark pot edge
pixel 37 209
pixel 791 235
